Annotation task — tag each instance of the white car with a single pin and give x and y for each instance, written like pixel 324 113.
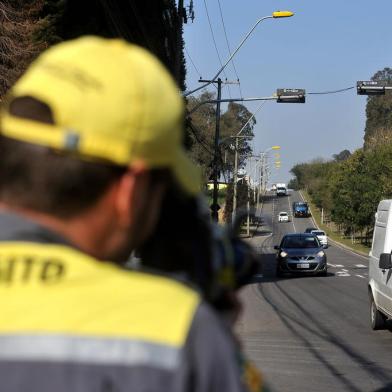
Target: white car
pixel 322 236
pixel 283 217
pixel 380 267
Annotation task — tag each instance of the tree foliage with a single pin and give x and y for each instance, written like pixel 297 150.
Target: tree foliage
pixel 378 129
pixel 201 135
pixel 29 26
pixel 342 156
pixel 20 23
pixel 349 190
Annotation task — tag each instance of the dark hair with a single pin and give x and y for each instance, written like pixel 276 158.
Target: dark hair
pixel 45 180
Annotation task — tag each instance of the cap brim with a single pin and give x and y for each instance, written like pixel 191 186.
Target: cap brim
pixel 187 174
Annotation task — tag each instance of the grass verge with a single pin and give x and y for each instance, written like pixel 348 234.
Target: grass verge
pixel 361 248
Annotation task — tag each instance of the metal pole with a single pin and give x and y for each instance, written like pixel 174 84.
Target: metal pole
pixel 235 179
pixel 215 209
pixel 260 179
pixel 248 210
pixel 230 57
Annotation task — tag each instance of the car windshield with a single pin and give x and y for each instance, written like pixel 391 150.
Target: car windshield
pixel 318 232
pixel 300 242
pixel 283 214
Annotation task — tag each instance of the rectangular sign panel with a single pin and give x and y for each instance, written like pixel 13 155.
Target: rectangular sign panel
pixel 290 95
pixel 373 87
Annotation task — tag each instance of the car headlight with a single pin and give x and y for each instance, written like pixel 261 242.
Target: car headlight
pixel 283 254
pixel 321 253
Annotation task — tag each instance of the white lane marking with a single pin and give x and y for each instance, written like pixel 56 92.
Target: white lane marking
pixel 342 274
pixel 360 276
pixel 360 266
pixel 336 265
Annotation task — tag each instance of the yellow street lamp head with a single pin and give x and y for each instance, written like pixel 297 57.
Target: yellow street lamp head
pixel 275 147
pixel 282 14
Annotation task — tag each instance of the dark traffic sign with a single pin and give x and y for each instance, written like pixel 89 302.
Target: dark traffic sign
pixel 290 95
pixel 373 87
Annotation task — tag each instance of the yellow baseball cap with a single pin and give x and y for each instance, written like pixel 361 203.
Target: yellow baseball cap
pixel 110 100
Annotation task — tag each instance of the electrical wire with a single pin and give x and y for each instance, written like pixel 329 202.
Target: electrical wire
pixel 228 47
pixel 215 45
pixel 192 62
pixel 332 92
pixel 196 133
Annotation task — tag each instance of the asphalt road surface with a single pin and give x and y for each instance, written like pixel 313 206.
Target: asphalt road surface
pixel 312 333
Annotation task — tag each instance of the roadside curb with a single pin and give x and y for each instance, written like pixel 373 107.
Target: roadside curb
pixel 337 243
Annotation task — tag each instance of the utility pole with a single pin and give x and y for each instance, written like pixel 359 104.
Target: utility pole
pixel 235 179
pixel 248 210
pixel 215 171
pixel 181 15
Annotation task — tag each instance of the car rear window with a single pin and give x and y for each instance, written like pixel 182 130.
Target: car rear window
pixel 283 214
pixel 300 242
pixel 318 232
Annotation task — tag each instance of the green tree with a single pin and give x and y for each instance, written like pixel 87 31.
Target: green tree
pixel 378 129
pixel 342 156
pixel 20 22
pixel 201 134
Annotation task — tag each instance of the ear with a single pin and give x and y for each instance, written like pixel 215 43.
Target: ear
pixel 130 193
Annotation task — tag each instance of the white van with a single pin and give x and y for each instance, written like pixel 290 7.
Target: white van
pixel 380 267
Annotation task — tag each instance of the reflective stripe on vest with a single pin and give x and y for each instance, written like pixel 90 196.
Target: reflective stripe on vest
pixel 84 350
pixel 57 303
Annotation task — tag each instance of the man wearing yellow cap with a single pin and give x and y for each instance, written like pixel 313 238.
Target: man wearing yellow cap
pixel 90 136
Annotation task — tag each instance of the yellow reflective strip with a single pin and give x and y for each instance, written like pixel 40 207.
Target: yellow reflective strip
pixel 88 297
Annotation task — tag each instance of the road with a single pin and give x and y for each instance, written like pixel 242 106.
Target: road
pixel 311 333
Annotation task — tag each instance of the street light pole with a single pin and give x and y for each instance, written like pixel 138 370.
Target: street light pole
pixel 263 157
pixel 276 14
pixel 237 136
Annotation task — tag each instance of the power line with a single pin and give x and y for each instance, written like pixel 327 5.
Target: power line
pixel 215 45
pixel 192 62
pixel 196 133
pixel 332 92
pixel 228 46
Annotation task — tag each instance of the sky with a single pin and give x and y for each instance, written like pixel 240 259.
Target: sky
pixel 326 45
